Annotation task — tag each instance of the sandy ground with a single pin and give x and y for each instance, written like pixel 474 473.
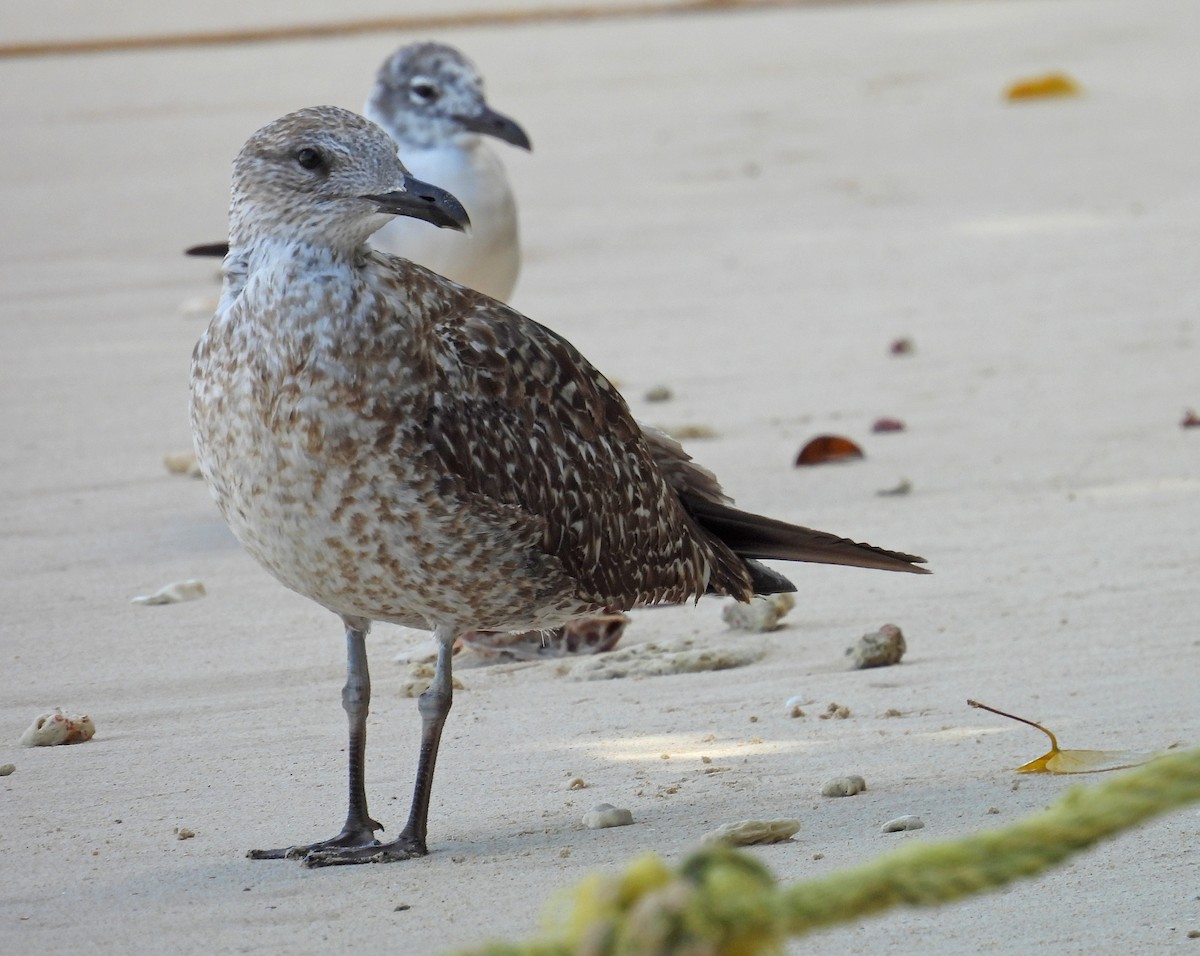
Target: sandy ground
pixel 748 208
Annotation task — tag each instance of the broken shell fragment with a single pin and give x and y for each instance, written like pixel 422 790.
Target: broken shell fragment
pixel 174 593
pixel 763 612
pixel 604 815
pixel 751 832
pixel 828 448
pixel 902 823
pixel 880 649
pixel 50 730
pixel 843 786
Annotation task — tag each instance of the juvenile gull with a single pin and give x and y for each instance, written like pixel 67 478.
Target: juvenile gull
pixel 430 99
pixel 399 448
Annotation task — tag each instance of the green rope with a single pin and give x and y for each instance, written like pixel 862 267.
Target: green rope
pixel 724 903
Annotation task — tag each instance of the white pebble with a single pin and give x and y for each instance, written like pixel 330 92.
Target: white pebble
pixel 50 730
pixel 751 832
pixel 7 768
pixel 902 823
pixel 843 786
pixel 604 815
pixel 762 613
pixel 880 649
pixel 173 593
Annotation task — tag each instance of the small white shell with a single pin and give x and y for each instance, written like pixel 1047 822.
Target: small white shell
pixel 843 786
pixel 902 823
pixel 173 593
pixel 751 832
pixel 49 730
pixel 792 706
pixel 182 463
pixel 604 815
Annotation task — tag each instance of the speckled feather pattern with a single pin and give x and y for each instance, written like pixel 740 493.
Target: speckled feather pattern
pixel 398 448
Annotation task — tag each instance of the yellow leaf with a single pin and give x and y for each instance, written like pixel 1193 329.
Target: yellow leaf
pixel 1042 87
pixel 1072 761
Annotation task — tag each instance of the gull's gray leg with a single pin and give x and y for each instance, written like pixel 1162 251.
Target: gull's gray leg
pixel 434 705
pixel 359 829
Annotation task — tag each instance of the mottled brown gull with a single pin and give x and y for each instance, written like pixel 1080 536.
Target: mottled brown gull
pixel 399 448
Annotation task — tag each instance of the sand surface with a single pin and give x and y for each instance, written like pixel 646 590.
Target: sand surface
pixel 749 208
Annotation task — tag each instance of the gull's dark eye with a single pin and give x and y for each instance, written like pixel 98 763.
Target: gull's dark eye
pixel 426 91
pixel 310 158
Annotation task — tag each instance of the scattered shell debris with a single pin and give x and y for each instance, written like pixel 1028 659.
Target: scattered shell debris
pixel 843 786
pixel 883 425
pixel 604 815
pixel 590 635
pixel 659 393
pixel 879 649
pixel 751 832
pixel 902 823
pixel 654 659
pixel 825 449
pixel 835 710
pixel 174 593
pixel 420 677
pixel 7 768
pixel 182 463
pixel 692 431
pixel 50 730
pixel 183 833
pixel 902 487
pixel 762 613
pixel 793 704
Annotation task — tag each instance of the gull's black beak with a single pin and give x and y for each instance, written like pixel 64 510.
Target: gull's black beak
pixel 420 200
pixel 491 123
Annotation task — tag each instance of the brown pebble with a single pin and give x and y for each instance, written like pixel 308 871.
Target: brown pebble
pixel 882 425
pixel 902 346
pixel 1190 420
pixel 183 833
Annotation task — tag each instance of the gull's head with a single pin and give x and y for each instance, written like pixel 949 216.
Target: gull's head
pixel 428 94
pixel 328 177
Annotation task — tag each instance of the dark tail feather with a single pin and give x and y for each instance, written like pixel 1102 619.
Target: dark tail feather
pixel 753 536
pixel 766 581
pixel 214 250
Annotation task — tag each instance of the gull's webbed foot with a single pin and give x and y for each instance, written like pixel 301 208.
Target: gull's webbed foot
pixel 351 838
pixel 403 848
